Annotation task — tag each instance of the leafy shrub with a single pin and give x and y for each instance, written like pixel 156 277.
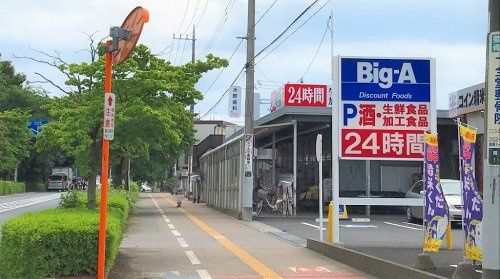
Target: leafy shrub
pixel 62 241
pixel 56 242
pixel 73 199
pixel 11 187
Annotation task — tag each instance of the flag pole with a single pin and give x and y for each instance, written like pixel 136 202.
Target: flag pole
pixel 461 184
pixel 424 188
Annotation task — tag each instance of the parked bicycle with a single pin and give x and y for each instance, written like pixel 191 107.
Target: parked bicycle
pixel 272 199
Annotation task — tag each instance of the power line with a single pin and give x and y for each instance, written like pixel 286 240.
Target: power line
pixel 184 17
pixel 164 50
pixel 225 93
pixel 202 13
pixel 183 49
pixel 177 51
pixel 194 15
pixel 286 29
pixel 218 29
pixel 319 47
pixel 298 28
pixel 222 70
pixel 264 14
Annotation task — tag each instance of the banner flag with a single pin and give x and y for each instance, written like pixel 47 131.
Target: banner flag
pixel 436 207
pixel 472 202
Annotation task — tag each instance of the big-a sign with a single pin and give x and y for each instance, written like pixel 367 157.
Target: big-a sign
pixel 386 105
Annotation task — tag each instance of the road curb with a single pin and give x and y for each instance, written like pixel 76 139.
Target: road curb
pixel 372 265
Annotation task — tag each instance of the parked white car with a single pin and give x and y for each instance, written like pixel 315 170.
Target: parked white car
pixel 451 189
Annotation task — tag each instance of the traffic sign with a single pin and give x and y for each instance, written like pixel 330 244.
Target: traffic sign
pixel 35 125
pixel 109 116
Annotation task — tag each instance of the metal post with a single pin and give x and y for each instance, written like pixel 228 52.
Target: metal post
pixel 295 167
pixel 335 140
pixel 491 188
pixel 273 171
pixel 368 185
pixel 319 157
pixel 104 177
pixel 246 208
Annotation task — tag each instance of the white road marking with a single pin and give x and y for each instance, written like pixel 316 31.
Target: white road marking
pixel 359 226
pixel 361 220
pixel 417 225
pixel 27 202
pixel 192 257
pixel 182 242
pixel 311 225
pixel 171 226
pixel 203 274
pixel 177 273
pixel 397 225
pixel 175 233
pixel 166 220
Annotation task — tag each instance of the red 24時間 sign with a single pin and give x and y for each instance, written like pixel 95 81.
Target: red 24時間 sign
pixel 305 95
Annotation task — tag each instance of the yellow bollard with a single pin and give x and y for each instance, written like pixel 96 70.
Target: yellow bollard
pixel 449 237
pixel 330 222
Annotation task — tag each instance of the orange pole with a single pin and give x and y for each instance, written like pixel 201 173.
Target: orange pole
pixel 101 268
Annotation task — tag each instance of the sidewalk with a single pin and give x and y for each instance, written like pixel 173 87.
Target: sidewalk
pixel 195 241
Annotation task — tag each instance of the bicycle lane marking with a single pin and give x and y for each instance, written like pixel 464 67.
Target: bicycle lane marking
pixel 259 267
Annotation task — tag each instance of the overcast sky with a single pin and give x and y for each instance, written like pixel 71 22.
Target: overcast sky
pixel 453 32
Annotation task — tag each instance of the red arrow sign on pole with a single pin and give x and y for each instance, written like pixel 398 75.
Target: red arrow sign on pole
pixel 110 100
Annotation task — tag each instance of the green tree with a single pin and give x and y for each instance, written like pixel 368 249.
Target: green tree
pixel 151 110
pixel 15 96
pixel 14 139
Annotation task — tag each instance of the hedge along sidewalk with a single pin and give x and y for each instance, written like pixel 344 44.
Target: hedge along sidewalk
pixel 62 241
pixel 11 187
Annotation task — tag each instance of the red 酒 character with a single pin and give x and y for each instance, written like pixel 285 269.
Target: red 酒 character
pixel 367 115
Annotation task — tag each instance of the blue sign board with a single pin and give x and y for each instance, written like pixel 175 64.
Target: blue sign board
pixel 35 125
pixel 397 80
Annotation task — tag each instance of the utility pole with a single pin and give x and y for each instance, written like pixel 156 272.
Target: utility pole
pixel 491 188
pixel 246 191
pixel 191 107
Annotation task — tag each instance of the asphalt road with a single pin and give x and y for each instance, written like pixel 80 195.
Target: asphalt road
pixel 388 237
pixel 14 205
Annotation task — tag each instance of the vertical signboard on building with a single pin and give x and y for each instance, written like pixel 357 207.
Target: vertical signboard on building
pixel 247 166
pixel 386 105
pixel 493 140
pixel 234 105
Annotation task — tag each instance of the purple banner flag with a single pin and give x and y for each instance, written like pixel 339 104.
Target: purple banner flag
pixel 472 202
pixel 436 207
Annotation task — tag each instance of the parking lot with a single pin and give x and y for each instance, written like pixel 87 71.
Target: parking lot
pixel 389 237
